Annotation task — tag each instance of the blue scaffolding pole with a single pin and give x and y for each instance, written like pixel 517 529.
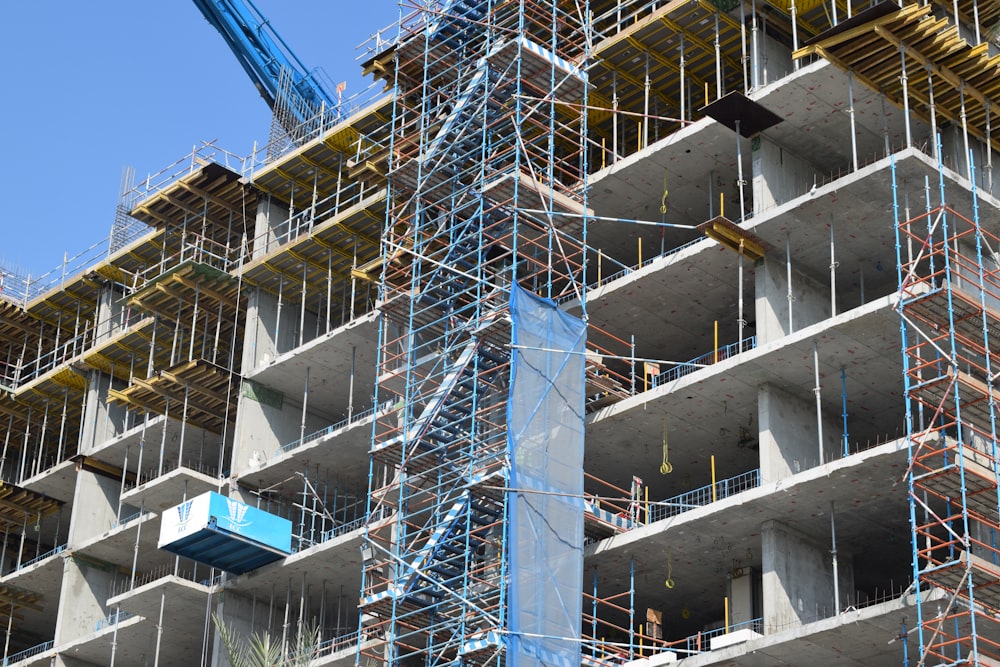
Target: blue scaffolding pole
pixel 461 562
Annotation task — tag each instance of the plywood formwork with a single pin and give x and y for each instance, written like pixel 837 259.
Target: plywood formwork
pixel 197 392
pixel 918 61
pixel 212 205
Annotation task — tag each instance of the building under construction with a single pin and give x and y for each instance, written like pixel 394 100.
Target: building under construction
pixel 609 332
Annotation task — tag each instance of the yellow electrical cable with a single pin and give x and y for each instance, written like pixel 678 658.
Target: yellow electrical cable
pixel 669 583
pixel 666 467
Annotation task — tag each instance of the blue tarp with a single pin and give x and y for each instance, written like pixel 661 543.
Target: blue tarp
pixel 545 435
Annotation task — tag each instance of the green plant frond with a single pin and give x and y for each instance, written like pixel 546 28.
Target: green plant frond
pixel 235 648
pixel 265 651
pixel 261 649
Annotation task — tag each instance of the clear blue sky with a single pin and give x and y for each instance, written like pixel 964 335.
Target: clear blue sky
pixel 93 86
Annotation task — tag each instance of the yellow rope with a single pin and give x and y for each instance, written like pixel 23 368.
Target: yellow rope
pixel 663 199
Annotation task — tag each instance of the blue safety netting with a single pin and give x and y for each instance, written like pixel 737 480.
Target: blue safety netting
pixel 545 436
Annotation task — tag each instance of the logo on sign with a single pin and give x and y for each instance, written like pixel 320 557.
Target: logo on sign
pixel 237 512
pixel 184 512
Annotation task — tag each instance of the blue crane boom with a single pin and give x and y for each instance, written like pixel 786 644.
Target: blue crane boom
pixel 264 55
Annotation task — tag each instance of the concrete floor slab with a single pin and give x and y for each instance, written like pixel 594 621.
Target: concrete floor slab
pixel 57 482
pixel 170 489
pixel 329 360
pixel 706 409
pixel 332 566
pixel 343 451
pixel 697 548
pixel 45 579
pixel 179 598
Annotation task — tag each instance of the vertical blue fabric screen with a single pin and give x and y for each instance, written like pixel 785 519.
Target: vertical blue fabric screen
pixel 545 439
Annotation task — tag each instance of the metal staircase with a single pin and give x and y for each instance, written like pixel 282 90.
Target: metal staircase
pixel 465 142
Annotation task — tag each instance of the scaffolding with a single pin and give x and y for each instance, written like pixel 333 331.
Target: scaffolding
pixel 459 194
pixel 949 286
pixel 485 179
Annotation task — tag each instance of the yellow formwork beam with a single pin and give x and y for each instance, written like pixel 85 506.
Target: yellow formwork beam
pixel 19 505
pixel 874 53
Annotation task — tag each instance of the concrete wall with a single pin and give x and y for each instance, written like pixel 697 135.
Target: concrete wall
pixel 238 615
pixel 744 590
pixel 810 300
pixel 265 337
pixel 95 506
pixel 109 308
pixel 102 421
pixel 262 429
pixel 270 224
pixel 789 441
pixel 954 156
pixel 769 60
pixel 798 578
pixel 269 334
pixel 85 589
pixel 778 175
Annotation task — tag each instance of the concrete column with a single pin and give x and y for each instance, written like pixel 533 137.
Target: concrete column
pixel 798 577
pixel 101 421
pixel 810 299
pixel 778 175
pixel 271 226
pixel 743 590
pixel 263 427
pixel 95 506
pixel 86 587
pixel 107 308
pixel 789 441
pixel 243 620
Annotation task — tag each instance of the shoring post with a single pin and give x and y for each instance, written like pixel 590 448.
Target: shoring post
pixel 740 321
pixel 682 81
pixel 788 278
pixel 965 131
pixel 714 488
pixel 645 106
pixel 593 619
pixel 833 554
pixel 843 400
pixel 632 348
pixel 989 148
pixel 833 272
pixel 754 50
pixel 614 117
pixel 305 407
pixel 932 108
pixel 718 59
pixel 739 172
pixel 631 610
pixel 850 111
pixel 819 405
pixel 906 94
pixel 744 58
pixel 715 352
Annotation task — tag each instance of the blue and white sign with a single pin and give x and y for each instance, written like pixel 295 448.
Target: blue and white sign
pixel 225 533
